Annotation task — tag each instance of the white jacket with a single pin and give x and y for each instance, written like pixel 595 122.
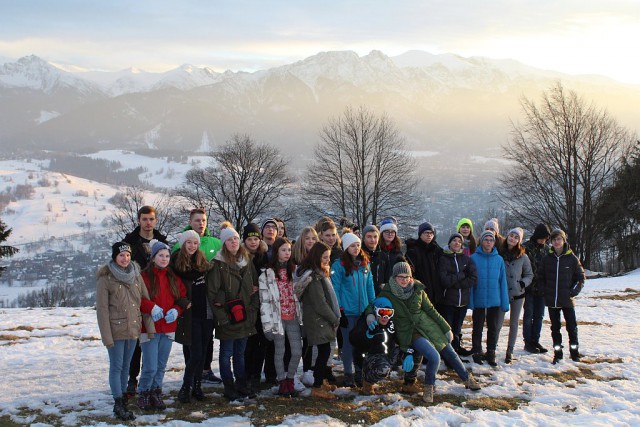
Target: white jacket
pixel 270 314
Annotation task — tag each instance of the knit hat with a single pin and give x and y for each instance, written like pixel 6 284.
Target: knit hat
pixel 382 302
pixel 402 268
pixel 464 221
pixel 188 234
pixel 227 233
pixel 557 232
pixel 119 247
pixel 485 234
pixel 541 232
pixel 388 224
pixel 454 235
pixel 157 246
pixel 425 226
pixel 268 221
pixel 519 231
pixel 370 228
pixel 250 230
pixel 493 224
pixel 348 239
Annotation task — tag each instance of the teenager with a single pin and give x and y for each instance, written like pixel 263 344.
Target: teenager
pixel 424 254
pixel 379 260
pixel 390 244
pixel 465 228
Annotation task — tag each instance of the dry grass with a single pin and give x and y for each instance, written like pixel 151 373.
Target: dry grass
pixel 628 294
pixel 574 375
pixel 496 404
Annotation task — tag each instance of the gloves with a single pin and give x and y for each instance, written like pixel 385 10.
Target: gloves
pixel 372 325
pixel 344 322
pixel 407 363
pixel 449 335
pixel 575 289
pixel 171 316
pixel 156 313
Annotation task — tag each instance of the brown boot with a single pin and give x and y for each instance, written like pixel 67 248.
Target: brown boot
pixel 323 392
pixel 471 383
pixel 328 386
pixel 411 387
pixel 368 388
pixel 427 396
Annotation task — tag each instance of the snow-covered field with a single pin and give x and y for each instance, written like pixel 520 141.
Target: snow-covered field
pixel 53 363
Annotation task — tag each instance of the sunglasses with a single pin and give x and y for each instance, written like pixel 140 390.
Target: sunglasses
pixel 384 312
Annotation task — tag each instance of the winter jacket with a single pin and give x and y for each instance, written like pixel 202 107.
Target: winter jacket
pixel 320 320
pixel 270 313
pixel 519 274
pixel 379 263
pixel 457 275
pixel 355 292
pixel 208 244
pixel 140 245
pixel 491 289
pixel 118 308
pixel 226 282
pixel 424 260
pixel 416 317
pixel 393 256
pixel 535 252
pixel 381 340
pixel 560 277
pixel 164 299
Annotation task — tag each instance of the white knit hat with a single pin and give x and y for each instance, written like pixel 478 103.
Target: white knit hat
pixel 186 235
pixel 348 239
pixel 227 233
pixel 519 231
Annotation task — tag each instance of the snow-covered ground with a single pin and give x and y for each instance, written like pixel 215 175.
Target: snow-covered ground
pixel 60 368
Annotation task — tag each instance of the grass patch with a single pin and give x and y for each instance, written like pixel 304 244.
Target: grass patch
pixel 579 375
pixel 497 404
pixel 628 294
pixel 87 339
pixel 5 421
pixel 594 360
pixel 9 337
pixel 21 328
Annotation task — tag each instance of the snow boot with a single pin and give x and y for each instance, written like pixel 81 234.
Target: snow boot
pixel 557 354
pixel 121 412
pixel 156 399
pixel 144 400
pixel 471 383
pixel 477 358
pixel 196 391
pixel 530 347
pixel 243 390
pixel 283 388
pixel 230 390
pixel 368 388
pixel 132 386
pixel 508 357
pixel 540 348
pixel 349 381
pixel 183 394
pixel 574 353
pixel 491 357
pixel 291 386
pixel 411 387
pixel 427 395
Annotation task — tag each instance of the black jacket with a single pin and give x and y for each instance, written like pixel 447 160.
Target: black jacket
pixel 379 341
pixel 535 252
pixel 140 245
pixel 424 259
pixel 458 275
pixel 560 277
pixel 379 262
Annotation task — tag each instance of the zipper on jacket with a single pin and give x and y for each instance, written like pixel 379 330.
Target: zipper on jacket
pixel 455 259
pixel 557 275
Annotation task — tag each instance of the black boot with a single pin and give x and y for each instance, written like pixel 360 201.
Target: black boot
pixel 540 348
pixel 254 384
pixel 557 354
pixel 575 354
pixel 460 349
pixel 491 357
pixel 508 357
pixel 156 399
pixel 183 394
pixel 121 412
pixel 144 400
pixel 477 358
pixel 243 390
pixel 530 347
pixel 197 390
pixel 230 390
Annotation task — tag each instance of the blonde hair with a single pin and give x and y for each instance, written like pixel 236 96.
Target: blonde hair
pixel 226 254
pixel 299 251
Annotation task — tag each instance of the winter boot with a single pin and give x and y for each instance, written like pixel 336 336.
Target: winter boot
pixel 230 390
pixel 349 380
pixel 427 396
pixel 328 375
pixel 540 348
pixel 283 388
pixel 307 378
pixel 323 392
pixel 132 387
pixel 508 357
pixel 243 390
pixel 144 400
pixel 291 386
pixel 410 387
pixel 357 377
pixel 254 384
pixel 530 347
pixel 491 357
pixel 156 399
pixel 557 354
pixel 575 354
pixel 477 358
pixel 121 412
pixel 461 350
pixel 197 390
pixel 183 394
pixel 471 383
pixel 368 388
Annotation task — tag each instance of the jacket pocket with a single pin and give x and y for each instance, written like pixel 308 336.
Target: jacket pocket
pixel 119 325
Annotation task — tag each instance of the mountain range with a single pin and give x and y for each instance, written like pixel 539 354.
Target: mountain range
pixel 439 102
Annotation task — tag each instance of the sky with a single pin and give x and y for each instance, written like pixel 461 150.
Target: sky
pixel 572 36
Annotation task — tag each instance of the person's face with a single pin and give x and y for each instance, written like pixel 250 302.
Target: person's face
pixel 541 241
pixel 465 230
pixel 309 240
pixel 488 243
pixel 427 236
pixel 330 237
pixel 354 249
pixel 284 253
pixel 383 320
pixel 326 259
pixel 162 258
pixel 512 240
pixel 123 259
pixel 280 228
pixel 404 280
pixel 270 232
pixel 232 244
pixel 371 240
pixel 491 229
pixel 455 244
pixel 191 245
pixel 388 236
pixel 252 243
pixel 199 223
pixel 557 243
pixel 147 222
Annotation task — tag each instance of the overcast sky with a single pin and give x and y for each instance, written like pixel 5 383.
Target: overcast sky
pixel 573 36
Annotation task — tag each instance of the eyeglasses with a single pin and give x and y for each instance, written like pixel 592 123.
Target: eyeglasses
pixel 271 227
pixel 403 277
pixel 384 312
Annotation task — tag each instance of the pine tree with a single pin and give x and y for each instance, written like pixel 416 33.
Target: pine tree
pixel 5 251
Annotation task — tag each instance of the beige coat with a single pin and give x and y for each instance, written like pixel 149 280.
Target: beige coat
pixel 118 308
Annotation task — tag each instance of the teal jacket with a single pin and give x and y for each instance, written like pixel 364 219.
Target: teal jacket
pixel 355 292
pixel 208 244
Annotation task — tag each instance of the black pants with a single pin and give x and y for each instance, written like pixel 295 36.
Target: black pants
pixel 134 367
pixel 269 364
pixel 254 354
pixel 201 332
pixel 455 318
pixel 569 314
pixel 494 316
pixel 324 350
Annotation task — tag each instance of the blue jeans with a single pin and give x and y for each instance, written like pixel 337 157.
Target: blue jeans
pixel 155 354
pixel 432 356
pixel 347 348
pixel 119 359
pixel 232 348
pixel 532 319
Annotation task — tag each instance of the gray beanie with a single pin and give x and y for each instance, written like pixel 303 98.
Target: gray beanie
pixel 492 223
pixel 487 233
pixel 454 235
pixel 370 228
pixel 188 234
pixel 227 233
pixel 402 268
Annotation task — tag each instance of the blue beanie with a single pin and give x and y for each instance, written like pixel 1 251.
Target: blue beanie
pixel 382 302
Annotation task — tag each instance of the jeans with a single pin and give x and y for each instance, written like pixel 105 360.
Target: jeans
pixel 347 348
pixel 228 349
pixel 201 330
pixel 155 354
pixel 429 352
pixel 569 314
pixel 455 318
pixel 532 319
pixel 119 359
pixel 255 352
pixel 494 317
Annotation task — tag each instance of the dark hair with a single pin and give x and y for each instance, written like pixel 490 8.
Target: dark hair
pixel 277 219
pixel 514 253
pixel 146 209
pixel 196 211
pixel 395 245
pixel 183 262
pixel 347 261
pixel 153 287
pixel 313 260
pixel 274 264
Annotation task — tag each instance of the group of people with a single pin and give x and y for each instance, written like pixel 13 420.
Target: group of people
pixel 272 302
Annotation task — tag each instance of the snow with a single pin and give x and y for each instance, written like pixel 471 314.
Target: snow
pixel 60 368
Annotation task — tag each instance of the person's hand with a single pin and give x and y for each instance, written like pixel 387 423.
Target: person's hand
pixel 344 322
pixel 171 316
pixel 156 313
pixel 372 325
pixel 449 335
pixel 407 363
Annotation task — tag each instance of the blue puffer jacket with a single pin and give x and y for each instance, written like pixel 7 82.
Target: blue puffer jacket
pixel 354 292
pixel 491 289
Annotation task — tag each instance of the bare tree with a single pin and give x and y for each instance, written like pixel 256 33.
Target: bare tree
pixel 244 180
pixel 565 154
pixel 361 169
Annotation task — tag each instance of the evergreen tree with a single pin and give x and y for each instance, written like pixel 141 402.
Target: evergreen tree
pixel 5 251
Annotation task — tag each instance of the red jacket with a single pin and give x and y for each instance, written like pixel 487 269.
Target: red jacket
pixel 164 299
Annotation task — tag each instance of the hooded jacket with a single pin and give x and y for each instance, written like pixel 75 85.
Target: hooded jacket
pixel 355 291
pixel 458 275
pixel 519 273
pixel 319 317
pixel 270 310
pixel 164 299
pixel 560 277
pixel 491 289
pixel 424 259
pixel 379 262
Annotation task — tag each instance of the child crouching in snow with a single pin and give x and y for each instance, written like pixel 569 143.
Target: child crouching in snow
pixel 168 300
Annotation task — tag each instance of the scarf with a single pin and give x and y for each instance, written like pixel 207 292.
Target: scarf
pixel 126 275
pixel 399 291
pixel 328 288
